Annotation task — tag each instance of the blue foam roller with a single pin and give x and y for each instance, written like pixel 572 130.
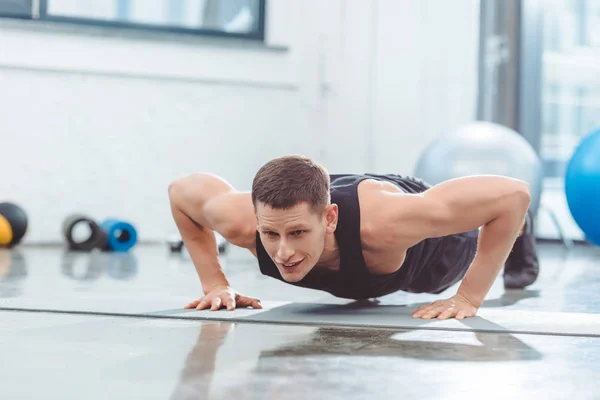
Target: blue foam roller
pixel 122 236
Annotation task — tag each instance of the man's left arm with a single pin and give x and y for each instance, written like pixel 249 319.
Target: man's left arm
pixel 498 205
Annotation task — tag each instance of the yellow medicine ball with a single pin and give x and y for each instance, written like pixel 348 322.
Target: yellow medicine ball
pixel 6 233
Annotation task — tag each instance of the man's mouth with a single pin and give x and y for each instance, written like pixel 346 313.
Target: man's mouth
pixel 291 265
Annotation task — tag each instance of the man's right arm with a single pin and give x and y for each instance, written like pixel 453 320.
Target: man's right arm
pixel 202 204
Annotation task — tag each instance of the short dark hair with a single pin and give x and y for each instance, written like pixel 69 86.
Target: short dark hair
pixel 287 181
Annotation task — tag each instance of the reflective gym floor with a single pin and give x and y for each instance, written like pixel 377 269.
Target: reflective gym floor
pixel 106 326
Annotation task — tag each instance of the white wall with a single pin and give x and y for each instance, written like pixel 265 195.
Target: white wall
pixel 399 73
pixel 425 76
pixel 100 123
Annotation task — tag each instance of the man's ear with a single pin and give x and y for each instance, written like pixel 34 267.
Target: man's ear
pixel 331 216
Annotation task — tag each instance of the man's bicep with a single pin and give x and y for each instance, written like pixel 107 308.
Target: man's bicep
pixel 474 201
pixel 438 216
pixel 451 207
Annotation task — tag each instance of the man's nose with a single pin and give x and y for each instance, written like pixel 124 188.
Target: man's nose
pixel 285 252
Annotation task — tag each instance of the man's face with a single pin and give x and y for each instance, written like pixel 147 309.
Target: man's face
pixel 295 238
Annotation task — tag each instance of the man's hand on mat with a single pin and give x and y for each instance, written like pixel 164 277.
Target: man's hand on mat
pixel 456 306
pixel 223 296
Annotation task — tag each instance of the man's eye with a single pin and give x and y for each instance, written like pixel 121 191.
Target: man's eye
pixel 270 233
pixel 298 232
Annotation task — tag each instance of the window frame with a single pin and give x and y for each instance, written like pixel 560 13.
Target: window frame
pixel 41 14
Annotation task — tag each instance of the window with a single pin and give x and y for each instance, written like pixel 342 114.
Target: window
pixel 570 82
pixel 15 8
pixel 233 18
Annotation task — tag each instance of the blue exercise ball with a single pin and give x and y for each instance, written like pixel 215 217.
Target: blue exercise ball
pixel 582 186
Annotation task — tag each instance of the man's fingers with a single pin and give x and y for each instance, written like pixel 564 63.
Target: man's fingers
pixel 425 308
pixel 256 303
pixel 449 312
pixel 244 301
pixel 418 311
pixel 230 303
pixel 216 304
pixel 444 309
pixel 203 304
pixel 193 304
pixel 421 311
pixel 224 299
pixel 434 311
pixel 431 312
pixel 442 313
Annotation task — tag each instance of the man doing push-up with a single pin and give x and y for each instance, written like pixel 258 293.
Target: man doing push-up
pixel 360 236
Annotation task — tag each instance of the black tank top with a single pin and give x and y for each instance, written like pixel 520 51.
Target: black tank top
pixel 353 280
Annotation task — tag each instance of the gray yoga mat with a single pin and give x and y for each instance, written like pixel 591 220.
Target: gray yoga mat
pixel 399 317
pixel 390 316
pixel 355 315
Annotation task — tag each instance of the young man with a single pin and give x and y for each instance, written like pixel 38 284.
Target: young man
pixel 360 236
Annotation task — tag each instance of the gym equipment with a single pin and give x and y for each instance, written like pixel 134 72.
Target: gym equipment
pixel 6 233
pixel 482 148
pixel 94 239
pixel 582 186
pixel 176 245
pixel 351 315
pixel 110 235
pixel 121 236
pixel 17 219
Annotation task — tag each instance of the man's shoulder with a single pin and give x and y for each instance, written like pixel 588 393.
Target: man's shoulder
pixel 374 192
pixel 369 197
pixel 379 202
pixel 235 213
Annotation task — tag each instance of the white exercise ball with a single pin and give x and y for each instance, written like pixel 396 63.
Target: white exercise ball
pixel 482 148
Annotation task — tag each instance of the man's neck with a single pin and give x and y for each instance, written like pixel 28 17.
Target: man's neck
pixel 330 259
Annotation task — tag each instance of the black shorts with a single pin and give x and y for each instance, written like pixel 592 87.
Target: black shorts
pixel 449 265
